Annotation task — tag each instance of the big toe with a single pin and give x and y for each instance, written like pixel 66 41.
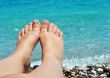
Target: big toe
pixel 36 31
pixel 45 24
pixel 35 24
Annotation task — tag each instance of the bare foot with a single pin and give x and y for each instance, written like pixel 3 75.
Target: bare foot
pixel 51 39
pixel 27 39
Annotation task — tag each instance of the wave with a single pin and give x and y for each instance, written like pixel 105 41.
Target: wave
pixel 16 29
pixel 82 62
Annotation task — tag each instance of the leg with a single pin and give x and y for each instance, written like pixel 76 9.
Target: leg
pixel 21 58
pixel 52 53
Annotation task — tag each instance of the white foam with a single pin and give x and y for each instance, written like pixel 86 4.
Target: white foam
pixel 35 63
pixel 82 62
pixel 16 29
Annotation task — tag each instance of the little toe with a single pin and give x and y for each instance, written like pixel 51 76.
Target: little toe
pixel 51 26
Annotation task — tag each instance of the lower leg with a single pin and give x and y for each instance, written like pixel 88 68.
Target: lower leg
pixel 12 64
pixel 21 58
pixel 49 69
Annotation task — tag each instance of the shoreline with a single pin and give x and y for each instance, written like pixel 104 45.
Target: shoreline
pixel 81 62
pixel 99 70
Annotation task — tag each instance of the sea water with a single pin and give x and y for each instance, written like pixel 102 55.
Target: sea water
pixel 85 23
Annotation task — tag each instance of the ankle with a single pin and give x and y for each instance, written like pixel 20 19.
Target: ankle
pixel 52 61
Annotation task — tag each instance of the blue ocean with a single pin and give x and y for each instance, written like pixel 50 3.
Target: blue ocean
pixel 85 23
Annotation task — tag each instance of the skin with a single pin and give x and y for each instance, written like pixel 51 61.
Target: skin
pixel 21 58
pixel 51 39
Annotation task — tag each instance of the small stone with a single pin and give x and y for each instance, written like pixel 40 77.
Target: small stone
pixel 108 75
pixel 105 70
pixel 78 76
pixel 92 76
pixel 67 73
pixel 94 72
pixel 84 76
pixel 90 67
pixel 108 66
pixel 81 73
pixel 73 73
pixel 85 71
pixel 103 75
pixel 100 70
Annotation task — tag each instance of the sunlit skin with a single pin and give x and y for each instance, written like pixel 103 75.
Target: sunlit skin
pixel 51 39
pixel 21 58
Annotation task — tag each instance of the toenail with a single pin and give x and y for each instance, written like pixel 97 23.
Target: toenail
pixel 45 22
pixel 37 25
pixel 52 24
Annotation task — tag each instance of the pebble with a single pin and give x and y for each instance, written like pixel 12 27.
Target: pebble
pixel 81 73
pixel 100 70
pixel 108 75
pixel 94 72
pixel 103 75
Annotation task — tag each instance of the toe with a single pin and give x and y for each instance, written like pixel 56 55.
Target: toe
pixel 36 21
pixel 61 34
pixel 35 24
pixel 30 27
pixel 20 35
pixel 36 31
pixel 26 29
pixel 22 32
pixel 45 24
pixel 54 29
pixel 51 26
pixel 58 32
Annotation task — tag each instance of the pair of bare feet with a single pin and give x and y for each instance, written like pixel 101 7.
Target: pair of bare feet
pixel 51 39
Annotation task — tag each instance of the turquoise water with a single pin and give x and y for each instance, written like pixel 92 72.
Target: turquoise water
pixel 85 23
